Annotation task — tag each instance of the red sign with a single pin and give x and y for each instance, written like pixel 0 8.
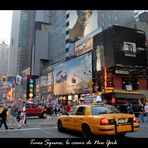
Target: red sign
pixel 113 100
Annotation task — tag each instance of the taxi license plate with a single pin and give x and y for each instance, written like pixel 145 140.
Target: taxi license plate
pixel 121 121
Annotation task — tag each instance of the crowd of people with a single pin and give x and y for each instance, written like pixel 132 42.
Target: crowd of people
pixel 141 111
pixel 15 112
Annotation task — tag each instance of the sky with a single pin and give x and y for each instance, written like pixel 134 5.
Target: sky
pixel 5 25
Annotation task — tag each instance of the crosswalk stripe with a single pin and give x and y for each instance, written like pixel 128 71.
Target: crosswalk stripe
pixel 27 129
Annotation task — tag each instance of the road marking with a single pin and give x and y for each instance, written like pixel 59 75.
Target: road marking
pixel 40 123
pixel 27 129
pixel 55 135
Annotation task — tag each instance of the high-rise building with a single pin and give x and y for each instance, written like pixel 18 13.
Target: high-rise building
pixel 57 35
pixel 12 65
pixel 22 37
pixel 107 18
pixel 4 52
pixel 39 52
pixel 26 39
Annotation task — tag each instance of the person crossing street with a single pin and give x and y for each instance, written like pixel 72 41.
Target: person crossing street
pixel 13 116
pixel 4 117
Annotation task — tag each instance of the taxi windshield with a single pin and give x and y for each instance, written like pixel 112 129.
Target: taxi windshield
pixel 96 110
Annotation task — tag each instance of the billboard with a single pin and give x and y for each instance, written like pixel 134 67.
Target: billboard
pixel 84 46
pixel 130 47
pixel 82 22
pixel 73 69
pixel 119 45
pixel 50 82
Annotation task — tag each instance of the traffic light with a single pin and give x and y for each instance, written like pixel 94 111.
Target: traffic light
pixel 30 87
pixel 4 77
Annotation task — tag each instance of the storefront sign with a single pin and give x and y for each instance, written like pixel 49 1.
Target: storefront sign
pixel 121 72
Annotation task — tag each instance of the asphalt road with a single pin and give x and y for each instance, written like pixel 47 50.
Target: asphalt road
pixel 38 128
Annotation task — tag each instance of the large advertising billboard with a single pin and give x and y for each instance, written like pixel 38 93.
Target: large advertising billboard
pixel 82 22
pixel 121 46
pixel 75 69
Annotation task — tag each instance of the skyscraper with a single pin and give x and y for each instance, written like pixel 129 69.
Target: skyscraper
pixel 107 18
pixel 4 52
pixel 22 38
pixel 12 65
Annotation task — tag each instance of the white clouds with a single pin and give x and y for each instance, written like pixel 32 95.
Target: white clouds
pixel 5 25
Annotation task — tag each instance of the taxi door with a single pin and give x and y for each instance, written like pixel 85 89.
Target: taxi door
pixel 77 119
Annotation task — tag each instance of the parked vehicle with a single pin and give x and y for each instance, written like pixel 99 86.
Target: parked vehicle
pixel 97 119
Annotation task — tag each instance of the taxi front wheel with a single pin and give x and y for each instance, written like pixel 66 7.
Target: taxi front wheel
pixel 60 126
pixel 86 131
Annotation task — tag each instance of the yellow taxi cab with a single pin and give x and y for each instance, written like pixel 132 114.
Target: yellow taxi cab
pixel 97 119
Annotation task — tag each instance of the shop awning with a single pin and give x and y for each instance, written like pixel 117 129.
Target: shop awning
pixel 129 96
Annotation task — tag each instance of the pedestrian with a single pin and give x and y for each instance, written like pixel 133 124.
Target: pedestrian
pixel 13 116
pixel 59 109
pixel 4 117
pixel 146 112
pixel 141 112
pixel 49 115
pixel 23 115
pixel 68 106
pixel 130 108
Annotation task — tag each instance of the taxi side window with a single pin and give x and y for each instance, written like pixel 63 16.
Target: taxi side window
pixel 81 111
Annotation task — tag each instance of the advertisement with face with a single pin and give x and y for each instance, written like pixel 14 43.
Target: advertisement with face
pixel 73 69
pixel 82 22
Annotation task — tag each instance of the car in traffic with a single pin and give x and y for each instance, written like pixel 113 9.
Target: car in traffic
pixel 33 109
pixel 97 119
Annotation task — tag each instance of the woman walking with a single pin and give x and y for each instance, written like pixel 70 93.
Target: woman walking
pixel 4 117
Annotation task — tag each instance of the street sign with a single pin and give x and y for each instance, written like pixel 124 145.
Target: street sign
pixel 90 82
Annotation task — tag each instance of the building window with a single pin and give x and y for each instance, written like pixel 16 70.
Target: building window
pixel 67 24
pixel 130 84
pixel 67 16
pixel 67 32
pixel 67 50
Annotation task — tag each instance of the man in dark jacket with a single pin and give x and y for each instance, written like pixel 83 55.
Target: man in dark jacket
pixel 4 117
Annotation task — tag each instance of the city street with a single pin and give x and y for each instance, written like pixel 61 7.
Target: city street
pixel 35 128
